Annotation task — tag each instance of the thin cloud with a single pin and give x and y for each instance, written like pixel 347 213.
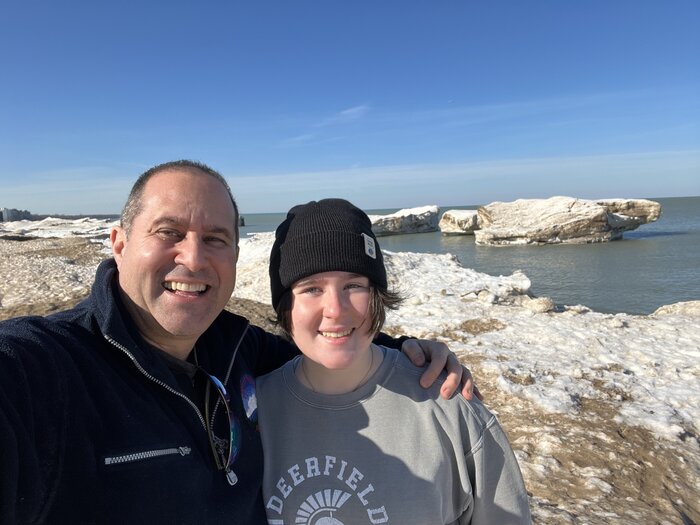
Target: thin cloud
pixel 345 116
pixel 458 116
pixel 70 190
pixel 531 112
pixel 353 113
pixel 627 175
pixel 298 140
pixel 308 139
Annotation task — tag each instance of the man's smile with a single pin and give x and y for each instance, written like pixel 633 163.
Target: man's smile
pixel 176 286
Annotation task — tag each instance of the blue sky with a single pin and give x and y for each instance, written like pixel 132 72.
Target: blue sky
pixel 387 103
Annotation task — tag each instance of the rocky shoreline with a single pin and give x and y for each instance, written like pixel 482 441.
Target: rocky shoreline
pixel 40 276
pixel 555 220
pixel 586 464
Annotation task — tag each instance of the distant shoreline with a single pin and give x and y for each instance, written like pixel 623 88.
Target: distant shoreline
pixel 100 216
pixel 375 211
pixel 40 217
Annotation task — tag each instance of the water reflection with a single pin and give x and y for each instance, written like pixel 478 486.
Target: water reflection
pixel 655 265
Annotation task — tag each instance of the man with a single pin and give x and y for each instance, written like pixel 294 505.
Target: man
pixel 117 410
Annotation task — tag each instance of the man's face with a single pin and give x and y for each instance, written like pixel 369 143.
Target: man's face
pixel 177 266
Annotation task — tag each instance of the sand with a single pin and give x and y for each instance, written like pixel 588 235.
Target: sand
pixel 582 465
pixel 42 276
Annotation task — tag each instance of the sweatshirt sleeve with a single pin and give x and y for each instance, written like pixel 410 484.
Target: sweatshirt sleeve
pixel 499 490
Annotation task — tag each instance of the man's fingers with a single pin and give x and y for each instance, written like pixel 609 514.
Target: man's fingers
pixel 432 372
pixel 414 352
pixel 440 357
pixel 469 388
pixel 455 378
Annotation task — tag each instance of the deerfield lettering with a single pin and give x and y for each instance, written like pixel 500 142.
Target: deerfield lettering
pixel 331 468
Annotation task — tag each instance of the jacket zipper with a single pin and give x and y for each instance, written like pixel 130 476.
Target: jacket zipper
pixel 130 458
pixel 230 367
pixel 156 380
pixel 230 474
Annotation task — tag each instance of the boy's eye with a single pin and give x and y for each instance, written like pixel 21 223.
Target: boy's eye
pixel 310 290
pixel 359 285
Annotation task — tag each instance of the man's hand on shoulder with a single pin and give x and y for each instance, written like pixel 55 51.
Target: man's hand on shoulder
pixel 440 357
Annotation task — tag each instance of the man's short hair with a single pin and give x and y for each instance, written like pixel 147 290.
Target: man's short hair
pixel 134 202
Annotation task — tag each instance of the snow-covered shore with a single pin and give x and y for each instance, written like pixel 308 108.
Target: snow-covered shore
pixel 568 384
pixel 96 229
pixel 551 358
pixel 602 409
pixel 55 267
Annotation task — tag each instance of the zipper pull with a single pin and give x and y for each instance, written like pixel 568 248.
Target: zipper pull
pixel 231 477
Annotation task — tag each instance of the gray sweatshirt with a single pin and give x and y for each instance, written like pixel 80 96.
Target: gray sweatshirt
pixel 388 452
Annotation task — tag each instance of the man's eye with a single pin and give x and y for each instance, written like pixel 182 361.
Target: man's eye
pixel 169 234
pixel 312 290
pixel 217 241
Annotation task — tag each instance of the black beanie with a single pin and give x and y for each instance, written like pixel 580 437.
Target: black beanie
pixel 330 235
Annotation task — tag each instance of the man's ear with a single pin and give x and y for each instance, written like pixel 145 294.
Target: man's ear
pixel 118 238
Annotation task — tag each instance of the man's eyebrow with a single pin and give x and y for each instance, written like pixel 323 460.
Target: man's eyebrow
pixel 174 221
pixel 219 229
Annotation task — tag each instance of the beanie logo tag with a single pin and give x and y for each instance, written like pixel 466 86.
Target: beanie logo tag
pixel 370 248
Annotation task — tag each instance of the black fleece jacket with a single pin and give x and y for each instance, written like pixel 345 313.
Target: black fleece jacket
pixel 96 428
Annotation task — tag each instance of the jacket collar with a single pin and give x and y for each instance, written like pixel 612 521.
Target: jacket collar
pixel 215 346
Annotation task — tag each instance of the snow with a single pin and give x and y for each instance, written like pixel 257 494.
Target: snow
pixel 54 227
pixel 593 403
pixel 648 365
pixel 407 212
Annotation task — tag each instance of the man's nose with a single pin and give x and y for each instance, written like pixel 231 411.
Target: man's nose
pixel 191 253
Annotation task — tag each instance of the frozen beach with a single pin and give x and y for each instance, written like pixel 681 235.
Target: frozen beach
pixel 601 409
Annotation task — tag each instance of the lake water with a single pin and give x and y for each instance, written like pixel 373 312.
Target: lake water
pixel 657 264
